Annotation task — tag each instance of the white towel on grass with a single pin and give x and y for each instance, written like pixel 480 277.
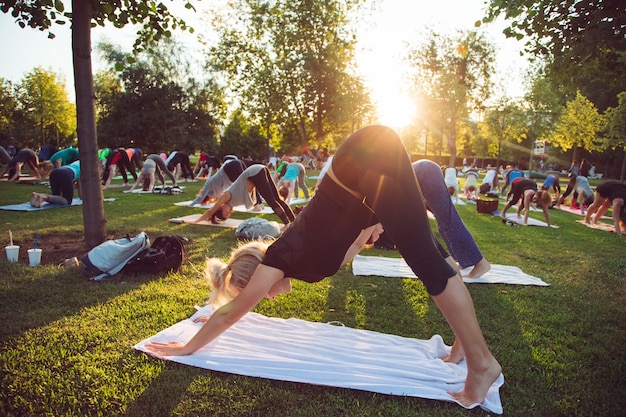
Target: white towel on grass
pixel 243 209
pixel 324 354
pixel 531 222
pixel 228 223
pixel 397 267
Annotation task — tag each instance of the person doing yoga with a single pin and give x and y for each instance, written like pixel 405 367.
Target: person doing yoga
pixel 370 181
pixel 160 169
pixel 525 191
pixel 242 191
pixel 62 182
pixel 290 179
pixel 609 194
pixel 215 185
pixel 23 156
pixel 458 239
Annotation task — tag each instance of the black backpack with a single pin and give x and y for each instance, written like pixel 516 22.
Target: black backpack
pixel 166 254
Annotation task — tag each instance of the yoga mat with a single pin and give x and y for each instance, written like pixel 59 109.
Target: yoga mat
pixel 397 267
pixel 27 207
pixel 569 209
pixel 242 209
pixel 228 223
pixel 156 191
pixel 325 354
pixel 531 222
pixel 598 226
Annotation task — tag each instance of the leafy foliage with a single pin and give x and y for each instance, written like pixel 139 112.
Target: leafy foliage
pixel 583 41
pixel 289 62
pixel 451 75
pixel 578 126
pixel 156 103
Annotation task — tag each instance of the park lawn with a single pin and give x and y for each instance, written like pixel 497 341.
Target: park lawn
pixel 65 344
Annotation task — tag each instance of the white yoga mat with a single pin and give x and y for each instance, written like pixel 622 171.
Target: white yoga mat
pixel 228 223
pixel 598 226
pixel 397 267
pixel 325 354
pixel 531 222
pixel 27 207
pixel 242 208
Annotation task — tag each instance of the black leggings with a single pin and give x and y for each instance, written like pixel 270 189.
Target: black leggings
pixel 62 183
pixel 266 187
pixel 374 162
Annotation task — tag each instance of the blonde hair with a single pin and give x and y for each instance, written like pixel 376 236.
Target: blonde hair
pixel 228 279
pixel 544 198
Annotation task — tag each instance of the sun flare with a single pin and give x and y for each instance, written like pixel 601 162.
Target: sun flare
pixel 396 110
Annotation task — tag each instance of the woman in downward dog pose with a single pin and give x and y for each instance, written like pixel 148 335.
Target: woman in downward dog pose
pixel 369 181
pixel 254 179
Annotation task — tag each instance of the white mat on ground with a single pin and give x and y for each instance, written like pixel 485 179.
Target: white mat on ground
pixel 228 223
pixel 531 222
pixel 27 207
pixel 397 267
pixel 324 354
pixel 598 226
pixel 266 210
pixel 157 190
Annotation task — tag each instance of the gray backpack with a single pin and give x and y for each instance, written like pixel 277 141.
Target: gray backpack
pixel 257 228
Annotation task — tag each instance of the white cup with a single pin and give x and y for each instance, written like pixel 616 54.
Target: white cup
pixel 13 252
pixel 34 257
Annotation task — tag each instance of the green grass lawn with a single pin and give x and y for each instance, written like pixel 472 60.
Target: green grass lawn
pixel 65 342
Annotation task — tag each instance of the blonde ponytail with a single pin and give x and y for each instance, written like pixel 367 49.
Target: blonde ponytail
pixel 227 280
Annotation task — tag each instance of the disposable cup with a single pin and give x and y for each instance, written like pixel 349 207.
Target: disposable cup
pixel 13 252
pixel 34 257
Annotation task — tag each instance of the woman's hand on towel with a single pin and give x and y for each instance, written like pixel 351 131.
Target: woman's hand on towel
pixel 201 319
pixel 167 348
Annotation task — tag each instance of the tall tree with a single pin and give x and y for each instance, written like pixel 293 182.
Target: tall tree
pixel 45 103
pixel 578 126
pixel 156 102
pixel 156 22
pixel 453 73
pixel 8 105
pixel 615 129
pixel 583 41
pixel 504 126
pixel 288 60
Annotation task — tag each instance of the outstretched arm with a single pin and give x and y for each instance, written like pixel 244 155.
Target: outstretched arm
pixel 372 232
pixel 618 205
pixel 260 283
pixel 224 198
pixel 139 179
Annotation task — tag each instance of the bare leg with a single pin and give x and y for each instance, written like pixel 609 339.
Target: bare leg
pixel 481 268
pixel 483 369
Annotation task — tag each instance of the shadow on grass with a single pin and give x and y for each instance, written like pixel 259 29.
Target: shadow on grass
pixel 35 297
pixel 166 392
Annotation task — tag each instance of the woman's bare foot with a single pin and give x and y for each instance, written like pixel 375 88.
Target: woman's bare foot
pixel 36 200
pixel 457 354
pixel 477 383
pixel 481 268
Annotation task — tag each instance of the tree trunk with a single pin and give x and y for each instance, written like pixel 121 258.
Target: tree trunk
pixel 623 171
pixel 452 143
pixel 93 209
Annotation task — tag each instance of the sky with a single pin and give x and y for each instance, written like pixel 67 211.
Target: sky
pixel 379 55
